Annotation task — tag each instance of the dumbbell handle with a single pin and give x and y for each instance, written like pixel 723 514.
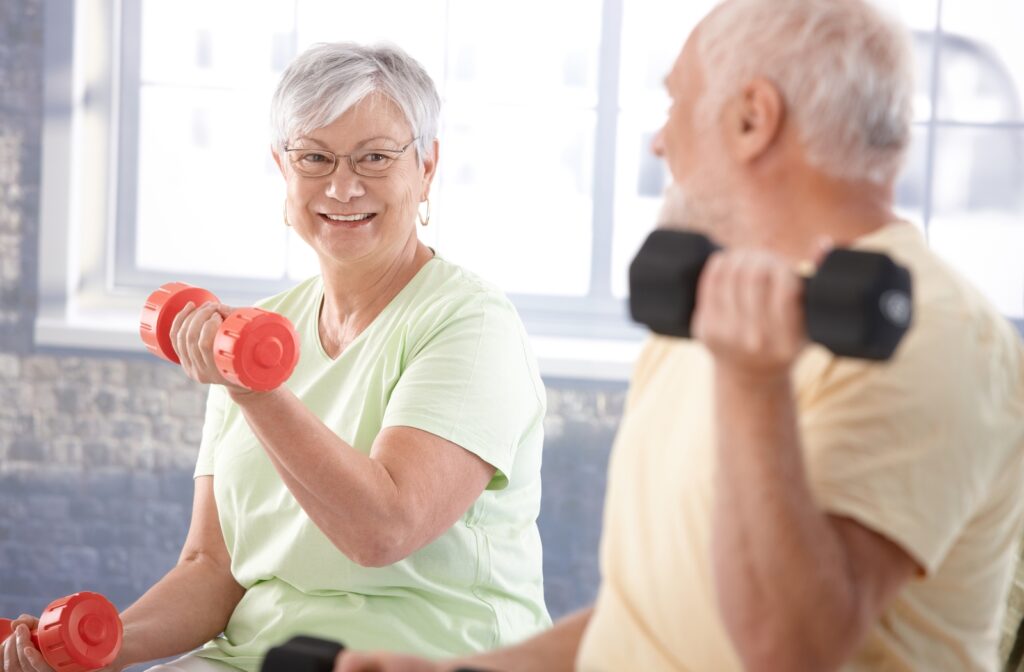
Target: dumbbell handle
pixel 858 304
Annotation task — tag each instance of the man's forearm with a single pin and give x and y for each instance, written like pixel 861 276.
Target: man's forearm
pixel 783 579
pixel 189 606
pixel 553 650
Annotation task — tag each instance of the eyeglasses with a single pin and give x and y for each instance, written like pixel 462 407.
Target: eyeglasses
pixel 365 162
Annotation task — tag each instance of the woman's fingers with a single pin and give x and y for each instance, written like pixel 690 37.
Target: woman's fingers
pixel 175 332
pixel 11 650
pixel 207 335
pixel 193 332
pixel 33 661
pixel 29 659
pixel 192 328
pixel 30 622
pixel 7 662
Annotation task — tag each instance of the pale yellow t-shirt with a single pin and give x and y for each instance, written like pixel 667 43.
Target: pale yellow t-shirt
pixel 448 356
pixel 927 449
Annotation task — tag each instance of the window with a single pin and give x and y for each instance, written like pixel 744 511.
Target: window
pixel 157 162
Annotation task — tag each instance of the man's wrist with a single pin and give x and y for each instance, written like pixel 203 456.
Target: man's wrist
pixel 751 379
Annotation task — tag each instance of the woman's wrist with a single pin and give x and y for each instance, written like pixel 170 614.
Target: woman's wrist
pixel 243 396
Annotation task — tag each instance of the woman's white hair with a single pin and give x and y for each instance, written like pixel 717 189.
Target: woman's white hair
pixel 329 78
pixel 843 68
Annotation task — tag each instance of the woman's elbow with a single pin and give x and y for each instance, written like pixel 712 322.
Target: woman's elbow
pixel 380 548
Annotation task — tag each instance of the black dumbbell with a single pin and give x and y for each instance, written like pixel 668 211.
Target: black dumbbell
pixel 858 304
pixel 302 654
pixel 307 654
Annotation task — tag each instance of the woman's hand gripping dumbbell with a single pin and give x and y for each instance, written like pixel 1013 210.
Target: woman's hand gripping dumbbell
pixel 857 304
pixel 251 348
pixel 77 633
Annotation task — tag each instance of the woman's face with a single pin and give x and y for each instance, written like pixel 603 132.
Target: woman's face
pixel 348 217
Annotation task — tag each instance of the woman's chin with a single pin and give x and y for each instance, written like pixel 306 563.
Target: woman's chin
pixel 346 252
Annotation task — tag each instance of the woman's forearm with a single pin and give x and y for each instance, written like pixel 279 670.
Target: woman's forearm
pixel 189 606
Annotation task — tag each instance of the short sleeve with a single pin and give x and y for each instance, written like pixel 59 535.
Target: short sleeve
pixel 898 446
pixel 213 425
pixel 473 381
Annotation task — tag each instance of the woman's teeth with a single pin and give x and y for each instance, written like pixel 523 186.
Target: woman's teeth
pixel 349 218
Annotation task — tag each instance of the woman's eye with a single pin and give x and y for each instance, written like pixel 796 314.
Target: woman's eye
pixel 313 157
pixel 374 157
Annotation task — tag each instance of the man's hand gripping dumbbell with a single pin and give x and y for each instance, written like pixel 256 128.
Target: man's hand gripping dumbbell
pixel 857 304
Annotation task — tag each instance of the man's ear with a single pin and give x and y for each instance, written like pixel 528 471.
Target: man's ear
pixel 755 120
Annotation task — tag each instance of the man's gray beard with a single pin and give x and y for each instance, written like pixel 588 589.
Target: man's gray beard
pixel 680 210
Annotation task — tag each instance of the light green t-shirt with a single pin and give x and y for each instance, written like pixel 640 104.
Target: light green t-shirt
pixel 449 356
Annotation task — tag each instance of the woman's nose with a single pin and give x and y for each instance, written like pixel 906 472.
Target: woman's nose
pixel 344 184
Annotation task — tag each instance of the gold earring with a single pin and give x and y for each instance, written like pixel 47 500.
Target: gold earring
pixel 424 220
pixel 286 222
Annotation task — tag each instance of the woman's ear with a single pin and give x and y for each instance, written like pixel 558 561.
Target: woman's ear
pixel 277 160
pixel 755 120
pixel 430 168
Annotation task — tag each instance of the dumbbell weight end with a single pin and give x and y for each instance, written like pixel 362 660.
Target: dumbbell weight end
pixel 159 312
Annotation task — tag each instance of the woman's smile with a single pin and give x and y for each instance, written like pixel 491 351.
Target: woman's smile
pixel 353 221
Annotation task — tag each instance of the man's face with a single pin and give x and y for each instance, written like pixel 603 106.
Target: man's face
pixel 690 143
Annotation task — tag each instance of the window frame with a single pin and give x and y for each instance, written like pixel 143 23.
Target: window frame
pixel 90 289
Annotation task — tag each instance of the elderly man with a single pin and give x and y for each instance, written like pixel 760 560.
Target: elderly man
pixel 771 506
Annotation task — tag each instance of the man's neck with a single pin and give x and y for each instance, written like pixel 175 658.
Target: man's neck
pixel 793 221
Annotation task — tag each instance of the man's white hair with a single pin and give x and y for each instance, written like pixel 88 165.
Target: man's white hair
pixel 843 68
pixel 329 78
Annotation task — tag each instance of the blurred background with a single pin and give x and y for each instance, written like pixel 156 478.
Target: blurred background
pixel 134 150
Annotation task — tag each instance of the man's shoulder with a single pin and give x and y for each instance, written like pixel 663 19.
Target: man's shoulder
pixel 952 318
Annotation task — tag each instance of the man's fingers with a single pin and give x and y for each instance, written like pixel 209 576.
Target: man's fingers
pixel 822 246
pixel 353 661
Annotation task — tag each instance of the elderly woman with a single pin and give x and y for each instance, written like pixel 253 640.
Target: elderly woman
pixel 387 495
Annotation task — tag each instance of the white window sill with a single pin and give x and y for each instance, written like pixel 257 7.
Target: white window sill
pixel 558 357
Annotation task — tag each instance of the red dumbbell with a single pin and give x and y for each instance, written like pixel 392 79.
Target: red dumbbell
pixel 77 633
pixel 254 348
